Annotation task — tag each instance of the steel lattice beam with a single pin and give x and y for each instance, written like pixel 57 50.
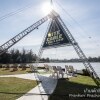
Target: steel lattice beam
pixel 21 35
pixel 80 53
pixel 52 15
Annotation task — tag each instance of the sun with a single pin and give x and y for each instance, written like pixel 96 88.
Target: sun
pixel 46 8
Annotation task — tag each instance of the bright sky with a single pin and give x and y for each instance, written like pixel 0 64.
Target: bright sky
pixel 85 27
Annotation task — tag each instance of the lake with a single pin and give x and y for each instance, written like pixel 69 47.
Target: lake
pixel 77 66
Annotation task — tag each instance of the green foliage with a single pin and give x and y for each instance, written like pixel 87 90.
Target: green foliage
pixel 45 60
pixel 94 59
pixel 85 72
pixel 12 88
pixel 9 72
pixel 15 56
pixel 73 85
pixel 5 57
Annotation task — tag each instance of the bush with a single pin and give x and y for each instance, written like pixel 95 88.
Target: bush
pixel 86 72
pixel 0 66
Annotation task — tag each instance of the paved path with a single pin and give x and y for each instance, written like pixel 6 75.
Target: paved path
pixel 46 86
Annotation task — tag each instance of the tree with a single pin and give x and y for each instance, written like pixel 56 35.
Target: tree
pixel 23 56
pixel 5 57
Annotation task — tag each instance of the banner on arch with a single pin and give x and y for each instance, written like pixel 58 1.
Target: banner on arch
pixel 56 35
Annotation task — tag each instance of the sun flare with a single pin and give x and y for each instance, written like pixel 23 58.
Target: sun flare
pixel 46 8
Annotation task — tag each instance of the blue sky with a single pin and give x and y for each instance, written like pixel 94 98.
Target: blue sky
pixel 85 27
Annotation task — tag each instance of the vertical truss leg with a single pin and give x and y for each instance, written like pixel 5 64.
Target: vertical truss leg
pixel 41 47
pixel 80 53
pixel 37 62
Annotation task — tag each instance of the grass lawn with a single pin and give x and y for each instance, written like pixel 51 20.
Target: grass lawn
pixel 19 71
pixel 75 85
pixel 12 88
pixel 44 72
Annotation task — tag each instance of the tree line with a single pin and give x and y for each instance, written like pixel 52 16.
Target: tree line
pixel 16 56
pixel 94 59
pixel 90 59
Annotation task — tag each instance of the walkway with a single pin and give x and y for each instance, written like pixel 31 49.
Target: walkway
pixel 46 86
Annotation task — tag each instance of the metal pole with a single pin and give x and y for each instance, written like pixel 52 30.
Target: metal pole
pixel 51 4
pixel 38 59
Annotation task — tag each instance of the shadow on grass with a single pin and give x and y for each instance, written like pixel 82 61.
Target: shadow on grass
pixel 66 90
pixel 29 71
pixel 26 94
pixel 97 81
